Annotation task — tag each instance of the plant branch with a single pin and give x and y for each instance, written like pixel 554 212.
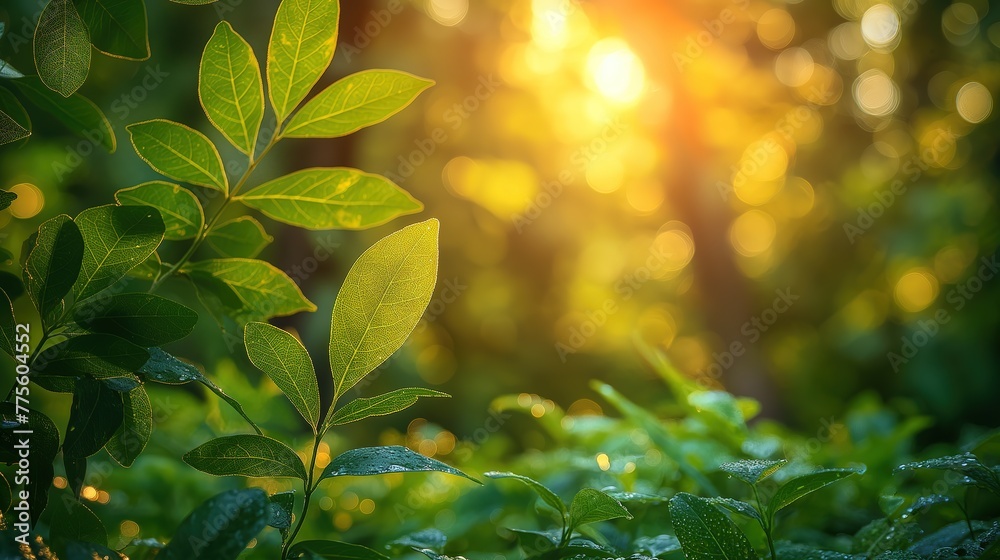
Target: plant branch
pixel 308 486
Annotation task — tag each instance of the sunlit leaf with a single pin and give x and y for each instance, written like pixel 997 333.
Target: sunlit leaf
pixel 115 239
pixel 331 198
pixel 368 461
pixel 103 357
pixel 131 437
pixel 357 101
pixel 78 113
pixel 246 455
pixel 590 506
pixel 705 532
pixel 547 496
pixel 179 152
pixel 245 512
pixel 117 27
pixel 806 484
pixel 381 405
pixel 182 214
pixel 241 237
pixel 94 417
pixel 15 124
pixel 382 299
pixel 300 50
pixel 230 87
pixel 53 265
pixel 283 358
pixel 259 291
pixel 332 550
pixel 62 47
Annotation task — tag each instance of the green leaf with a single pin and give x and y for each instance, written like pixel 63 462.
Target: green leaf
pixel 965 464
pixel 721 406
pixel 76 550
pixel 179 152
pixel 6 496
pixel 76 474
pixel 44 446
pixel 73 521
pixel 245 515
pixel 242 237
pixel 300 50
pixel 752 471
pixel 332 550
pixel 15 125
pixel 194 2
pixel 590 506
pixel 740 507
pixel 280 511
pixel 78 113
pixel 381 301
pixel 283 358
pixel 331 198
pixel 53 265
pixel 547 496
pixel 117 28
pixel 102 357
pixel 8 71
pixel 182 214
pixel 806 552
pixel 230 87
pixel 806 484
pixel 257 291
pixel 116 239
pixel 141 318
pixel 705 532
pixel 7 325
pixel 94 417
pixel 382 405
pixel 246 455
pixel 368 461
pixel 137 425
pixel 62 47
pixel 149 269
pixel 357 101
pixel 6 199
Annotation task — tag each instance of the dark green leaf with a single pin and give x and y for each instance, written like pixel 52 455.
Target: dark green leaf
pixel 804 552
pixel 590 506
pixel 234 517
pixel 331 550
pixel 6 197
pixel 142 319
pixel 116 239
pixel 705 532
pixel 658 545
pixel 182 214
pixel 53 265
pixel 805 485
pixel 382 405
pixel 283 358
pixel 547 496
pixel 6 496
pixel 883 534
pixel 76 550
pixel 73 521
pixel 300 50
pixel 44 444
pixel 246 455
pixel 7 324
pixel 62 47
pixel 740 507
pixel 966 464
pixel 15 125
pixel 331 198
pixel 230 87
pixel 280 511
pixel 106 358
pixel 242 237
pixel 137 425
pixel 752 471
pixel 251 290
pixel 76 474
pixel 179 152
pixel 368 461
pixel 78 113
pixel 94 418
pixel 117 28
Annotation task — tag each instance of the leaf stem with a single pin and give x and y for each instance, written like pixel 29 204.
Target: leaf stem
pixel 308 486
pixel 765 523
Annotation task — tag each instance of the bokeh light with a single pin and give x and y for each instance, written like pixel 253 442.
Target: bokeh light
pixel 614 71
pixel 876 94
pixel 916 290
pixel 974 102
pixel 880 26
pixel 448 12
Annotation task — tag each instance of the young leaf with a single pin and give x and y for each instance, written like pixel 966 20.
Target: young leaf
pixel 331 198
pixel 258 290
pixel 53 265
pixel 116 239
pixel 705 532
pixel 117 28
pixel 357 101
pixel 300 50
pixel 94 417
pixel 142 319
pixel 244 513
pixel 182 214
pixel 239 238
pixel 15 124
pixel 805 485
pixel 73 521
pixel 62 47
pixel 78 113
pixel 230 87
pixel 752 471
pixel 590 506
pixel 381 301
pixel 382 405
pixel 283 358
pixel 368 461
pixel 547 496
pixel 7 328
pixel 179 152
pixel 131 437
pixel 246 455
pixel 332 550
pixel 103 357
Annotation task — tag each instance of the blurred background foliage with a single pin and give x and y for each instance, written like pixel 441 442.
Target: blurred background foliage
pixel 794 200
